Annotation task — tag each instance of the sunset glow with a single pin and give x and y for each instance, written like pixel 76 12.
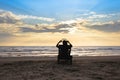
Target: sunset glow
pixel 45 22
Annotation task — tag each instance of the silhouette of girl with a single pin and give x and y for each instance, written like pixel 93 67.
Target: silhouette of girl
pixel 64 47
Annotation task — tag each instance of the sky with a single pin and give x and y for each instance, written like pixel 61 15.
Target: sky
pixel 45 22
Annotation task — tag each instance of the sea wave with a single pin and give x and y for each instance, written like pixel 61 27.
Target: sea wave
pixel 8 51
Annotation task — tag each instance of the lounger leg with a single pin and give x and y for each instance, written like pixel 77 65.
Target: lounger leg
pixel 70 61
pixel 58 60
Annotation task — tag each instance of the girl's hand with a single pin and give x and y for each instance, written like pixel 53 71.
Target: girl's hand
pixel 60 41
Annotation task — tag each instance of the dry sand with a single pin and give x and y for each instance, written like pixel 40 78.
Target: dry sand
pixel 46 68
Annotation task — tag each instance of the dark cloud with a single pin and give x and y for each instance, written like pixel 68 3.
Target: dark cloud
pixel 62 28
pixel 25 29
pixel 109 27
pixel 7 17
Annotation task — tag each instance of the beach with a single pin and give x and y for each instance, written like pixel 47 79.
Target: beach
pixel 46 68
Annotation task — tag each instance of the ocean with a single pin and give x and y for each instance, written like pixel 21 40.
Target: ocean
pixel 19 51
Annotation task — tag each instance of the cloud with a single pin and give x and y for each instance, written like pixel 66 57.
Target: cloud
pixel 35 18
pixel 9 28
pixel 13 23
pixel 61 28
pixel 96 16
pixel 106 27
pixel 9 17
pixel 72 26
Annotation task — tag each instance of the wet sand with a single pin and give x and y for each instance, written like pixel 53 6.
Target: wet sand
pixel 46 68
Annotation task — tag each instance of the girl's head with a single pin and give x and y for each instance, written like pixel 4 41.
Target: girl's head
pixel 64 42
